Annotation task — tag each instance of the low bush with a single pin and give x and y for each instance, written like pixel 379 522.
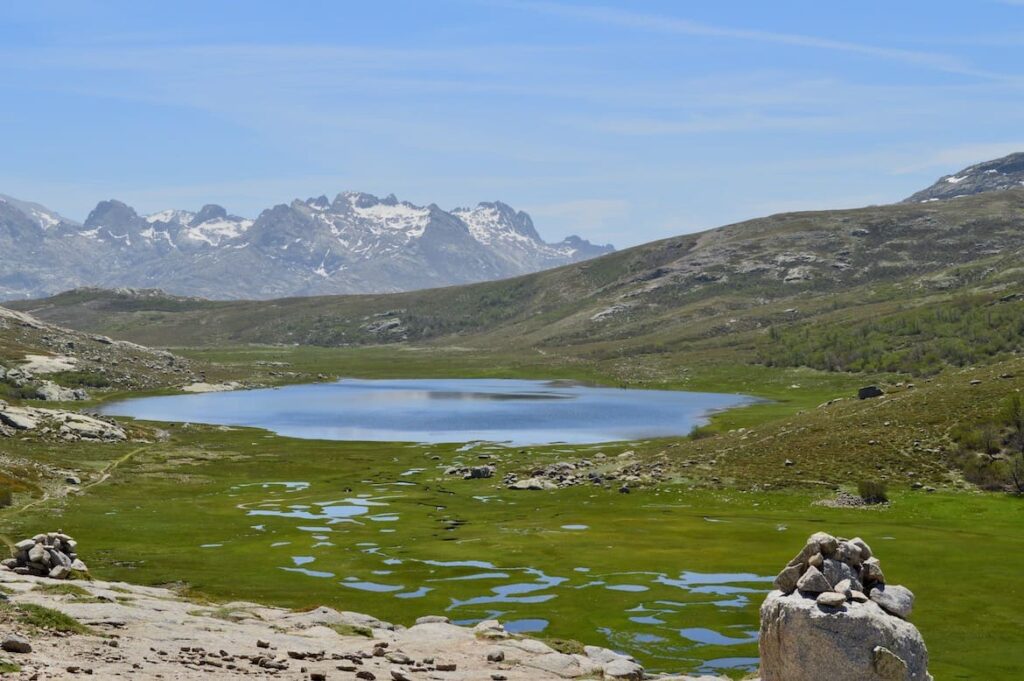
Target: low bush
pixel 873 491
pixel 80 379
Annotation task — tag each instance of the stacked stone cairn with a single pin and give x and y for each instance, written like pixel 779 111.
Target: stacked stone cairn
pixel 52 555
pixel 832 616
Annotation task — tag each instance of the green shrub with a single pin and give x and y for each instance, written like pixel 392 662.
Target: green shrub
pixel 873 491
pixel 700 432
pixel 1013 412
pixel 920 341
pixel 80 379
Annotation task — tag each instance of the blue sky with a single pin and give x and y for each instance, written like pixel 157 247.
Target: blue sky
pixel 623 122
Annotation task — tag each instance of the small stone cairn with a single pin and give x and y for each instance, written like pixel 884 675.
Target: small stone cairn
pixel 832 616
pixel 53 555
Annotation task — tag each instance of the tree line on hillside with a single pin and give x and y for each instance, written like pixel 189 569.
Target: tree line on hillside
pixel 920 342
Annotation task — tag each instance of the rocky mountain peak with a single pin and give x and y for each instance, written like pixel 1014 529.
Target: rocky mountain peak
pixel 112 214
pixel 357 243
pixel 210 211
pixel 997 175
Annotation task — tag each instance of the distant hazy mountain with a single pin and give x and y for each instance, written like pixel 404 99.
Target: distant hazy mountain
pixel 998 175
pixel 356 243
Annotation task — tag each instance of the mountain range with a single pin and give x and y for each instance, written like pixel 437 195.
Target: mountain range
pixel 357 243
pixel 728 286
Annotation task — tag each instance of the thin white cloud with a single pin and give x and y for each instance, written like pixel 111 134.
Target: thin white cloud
pixel 597 218
pixel 955 158
pixel 752 122
pixel 656 23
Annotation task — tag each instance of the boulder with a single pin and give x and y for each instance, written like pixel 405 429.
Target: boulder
pixel 871 572
pixel 787 579
pixel 478 472
pixel 623 668
pixel 869 391
pixel 827 544
pixel 535 484
pixel 60 572
pixel 894 599
pixel 12 643
pixel 813 582
pixel 800 641
pixel 837 571
pixel 831 599
pixel 17 419
pixel 51 392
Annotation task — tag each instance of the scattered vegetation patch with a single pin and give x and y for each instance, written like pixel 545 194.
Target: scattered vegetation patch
pixel 62 590
pixel 991 452
pixel 921 341
pixel 80 379
pixel 226 614
pixel 566 646
pixel 47 618
pixel 352 630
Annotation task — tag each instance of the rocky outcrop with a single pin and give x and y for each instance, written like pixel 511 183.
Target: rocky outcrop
pixel 100 360
pixel 832 616
pixel 51 392
pixel 1001 174
pixel 53 555
pixel 57 423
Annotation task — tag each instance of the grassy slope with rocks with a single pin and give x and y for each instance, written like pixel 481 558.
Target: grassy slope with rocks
pixel 724 289
pixel 798 308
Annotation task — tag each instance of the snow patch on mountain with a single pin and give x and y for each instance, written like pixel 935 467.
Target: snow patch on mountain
pixel 1000 174
pixel 357 243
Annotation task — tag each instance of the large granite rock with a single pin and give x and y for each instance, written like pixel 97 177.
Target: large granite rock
pixel 840 622
pixel 804 641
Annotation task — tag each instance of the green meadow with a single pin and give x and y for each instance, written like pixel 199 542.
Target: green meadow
pixel 673 573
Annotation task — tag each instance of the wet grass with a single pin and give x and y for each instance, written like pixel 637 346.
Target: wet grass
pixel 179 512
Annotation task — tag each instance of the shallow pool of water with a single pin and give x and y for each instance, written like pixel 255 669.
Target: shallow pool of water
pixel 515 412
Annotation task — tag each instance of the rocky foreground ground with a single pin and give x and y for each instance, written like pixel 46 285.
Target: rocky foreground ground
pixel 138 632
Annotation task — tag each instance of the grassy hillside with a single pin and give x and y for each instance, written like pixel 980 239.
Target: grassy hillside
pixel 864 273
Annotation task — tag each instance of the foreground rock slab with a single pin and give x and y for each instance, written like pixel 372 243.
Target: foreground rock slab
pixel 151 633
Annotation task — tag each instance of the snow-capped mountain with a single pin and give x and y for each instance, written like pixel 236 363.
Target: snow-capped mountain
pixel 997 175
pixel 357 243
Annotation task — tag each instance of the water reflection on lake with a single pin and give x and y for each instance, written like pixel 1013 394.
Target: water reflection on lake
pixel 516 412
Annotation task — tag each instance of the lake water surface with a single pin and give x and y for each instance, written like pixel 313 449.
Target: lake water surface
pixel 516 412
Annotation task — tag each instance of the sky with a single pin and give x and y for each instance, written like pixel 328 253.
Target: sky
pixel 622 122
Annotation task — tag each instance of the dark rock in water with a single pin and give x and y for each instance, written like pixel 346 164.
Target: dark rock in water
pixel 869 391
